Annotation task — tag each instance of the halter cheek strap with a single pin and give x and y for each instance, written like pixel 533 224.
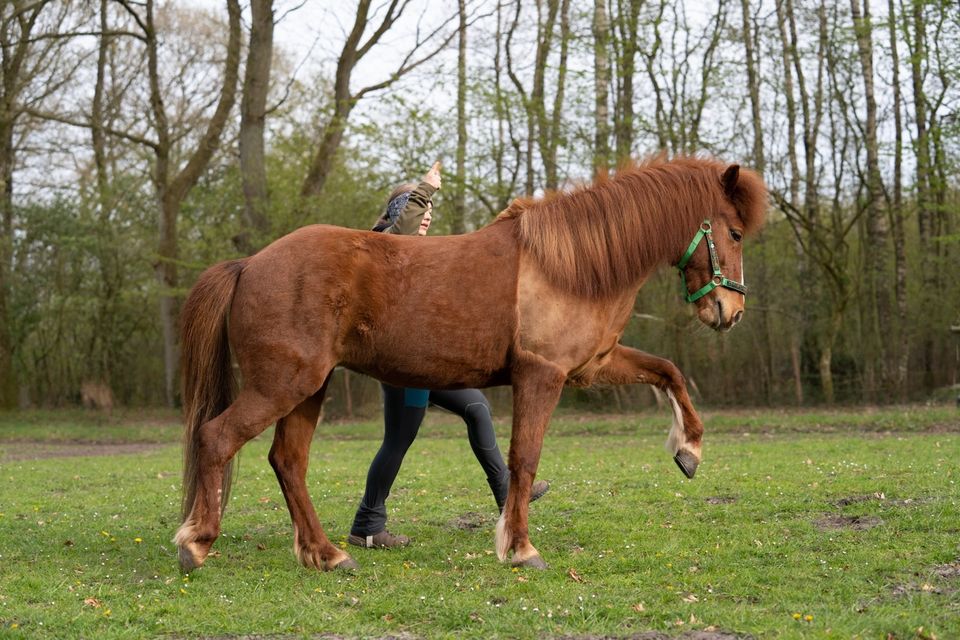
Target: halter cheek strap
pixel 718 280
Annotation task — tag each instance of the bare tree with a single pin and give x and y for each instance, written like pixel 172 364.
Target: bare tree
pixel 601 84
pixel 33 36
pixel 253 112
pixel 896 214
pixel 543 126
pixel 171 182
pixel 877 309
pixel 627 28
pixel 460 184
pixel 505 186
pixel 345 99
pixel 753 86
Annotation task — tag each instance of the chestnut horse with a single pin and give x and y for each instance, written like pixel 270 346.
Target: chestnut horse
pixel 538 299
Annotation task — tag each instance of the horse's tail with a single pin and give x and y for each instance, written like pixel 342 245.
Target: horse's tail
pixel 209 386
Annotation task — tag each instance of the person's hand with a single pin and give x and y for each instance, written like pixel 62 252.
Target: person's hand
pixel 432 177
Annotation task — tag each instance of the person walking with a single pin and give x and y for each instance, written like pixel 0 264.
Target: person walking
pixel 409 211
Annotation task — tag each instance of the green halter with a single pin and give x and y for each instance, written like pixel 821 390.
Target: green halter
pixel 717 280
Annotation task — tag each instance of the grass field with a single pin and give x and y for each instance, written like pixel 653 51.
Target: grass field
pixel 799 524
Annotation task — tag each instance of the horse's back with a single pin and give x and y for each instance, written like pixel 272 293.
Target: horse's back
pixel 431 311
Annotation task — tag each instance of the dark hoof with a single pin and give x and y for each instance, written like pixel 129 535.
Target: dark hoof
pixel 533 562
pixel 348 564
pixel 188 561
pixel 687 462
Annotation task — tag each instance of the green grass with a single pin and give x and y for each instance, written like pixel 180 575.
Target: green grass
pixel 738 549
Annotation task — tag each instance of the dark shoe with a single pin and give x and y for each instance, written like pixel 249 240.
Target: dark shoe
pixel 382 540
pixel 539 488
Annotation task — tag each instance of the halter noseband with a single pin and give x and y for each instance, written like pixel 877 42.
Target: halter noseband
pixel 717 280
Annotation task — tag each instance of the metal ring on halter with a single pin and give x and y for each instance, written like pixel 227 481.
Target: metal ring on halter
pixel 705 226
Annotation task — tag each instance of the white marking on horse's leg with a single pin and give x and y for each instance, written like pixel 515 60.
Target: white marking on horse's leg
pixel 191 553
pixel 678 437
pixel 187 532
pixel 502 540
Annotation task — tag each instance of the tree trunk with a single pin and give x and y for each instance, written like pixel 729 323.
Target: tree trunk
pixel 924 213
pixel 253 110
pixel 8 379
pixel 877 312
pixel 166 273
pixel 460 186
pixel 753 85
pixel 627 27
pixel 550 131
pixel 896 214
pixel 104 330
pixel 601 83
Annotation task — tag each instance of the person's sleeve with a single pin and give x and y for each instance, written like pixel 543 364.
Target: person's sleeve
pixel 412 215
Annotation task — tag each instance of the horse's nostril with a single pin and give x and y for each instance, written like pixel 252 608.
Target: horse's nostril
pixel 737 316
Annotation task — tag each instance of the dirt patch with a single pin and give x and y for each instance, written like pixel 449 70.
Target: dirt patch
pixel 949 571
pixel 881 498
pixel 43 450
pixel 857 523
pixel 471 521
pixel 721 500
pixel 657 635
pixel 648 635
pixel 904 589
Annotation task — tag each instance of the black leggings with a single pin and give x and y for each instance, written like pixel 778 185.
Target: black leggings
pixel 403 411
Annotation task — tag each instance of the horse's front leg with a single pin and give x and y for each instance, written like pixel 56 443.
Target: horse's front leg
pixel 537 384
pixel 627 366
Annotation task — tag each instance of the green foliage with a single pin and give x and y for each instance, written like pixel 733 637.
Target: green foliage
pixel 855 530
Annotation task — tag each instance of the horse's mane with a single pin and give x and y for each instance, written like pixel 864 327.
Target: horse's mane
pixel 598 239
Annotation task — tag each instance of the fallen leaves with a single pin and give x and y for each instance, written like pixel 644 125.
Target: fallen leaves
pixel 572 573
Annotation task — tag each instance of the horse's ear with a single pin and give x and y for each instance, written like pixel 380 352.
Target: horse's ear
pixel 729 179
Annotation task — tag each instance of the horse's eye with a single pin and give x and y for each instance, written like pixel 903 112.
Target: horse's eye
pixel 736 235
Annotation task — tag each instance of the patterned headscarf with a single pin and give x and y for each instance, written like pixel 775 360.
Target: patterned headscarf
pixel 394 208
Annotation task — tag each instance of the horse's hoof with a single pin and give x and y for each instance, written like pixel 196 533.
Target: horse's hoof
pixel 189 558
pixel 533 562
pixel 687 462
pixel 347 564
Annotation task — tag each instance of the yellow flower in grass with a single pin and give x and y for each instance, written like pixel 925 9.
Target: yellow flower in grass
pixel 797 616
pixel 808 618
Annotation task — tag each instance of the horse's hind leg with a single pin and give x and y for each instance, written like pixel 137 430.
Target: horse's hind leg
pixel 289 457
pixel 218 440
pixel 536 390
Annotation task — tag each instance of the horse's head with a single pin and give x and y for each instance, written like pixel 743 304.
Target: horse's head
pixel 712 265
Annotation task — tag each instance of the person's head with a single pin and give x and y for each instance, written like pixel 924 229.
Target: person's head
pixel 396 203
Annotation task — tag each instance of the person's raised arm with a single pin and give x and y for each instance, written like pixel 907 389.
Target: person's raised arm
pixel 418 204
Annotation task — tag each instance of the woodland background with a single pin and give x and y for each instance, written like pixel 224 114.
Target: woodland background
pixel 141 142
